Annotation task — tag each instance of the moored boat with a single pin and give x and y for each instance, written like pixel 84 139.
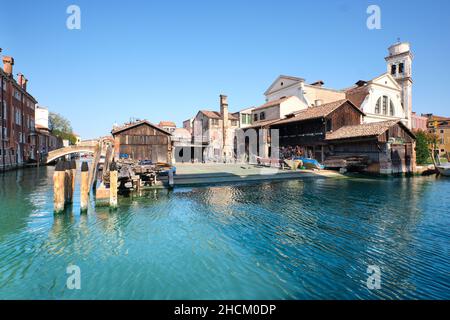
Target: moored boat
pixel 444 169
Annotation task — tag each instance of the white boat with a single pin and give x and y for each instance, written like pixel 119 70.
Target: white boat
pixel 444 169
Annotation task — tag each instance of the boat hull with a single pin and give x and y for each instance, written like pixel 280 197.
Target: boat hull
pixel 445 171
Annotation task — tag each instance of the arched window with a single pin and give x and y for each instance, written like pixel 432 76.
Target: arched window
pixel 391 108
pixel 385 104
pixel 377 106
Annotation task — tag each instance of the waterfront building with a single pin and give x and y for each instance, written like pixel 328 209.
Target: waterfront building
pixel 386 97
pixel 387 147
pixel 169 126
pixel 307 129
pixel 45 140
pixel 276 109
pixel 440 126
pixel 213 133
pixel 188 125
pixel 142 140
pixel 418 122
pixel 17 118
pixel 182 143
pixel 245 117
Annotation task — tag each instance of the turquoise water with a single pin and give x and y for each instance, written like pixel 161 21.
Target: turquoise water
pixel 309 239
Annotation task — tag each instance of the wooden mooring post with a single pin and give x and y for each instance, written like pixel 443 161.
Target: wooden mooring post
pixel 59 195
pixel 84 187
pixel 67 182
pixel 73 174
pixel 113 185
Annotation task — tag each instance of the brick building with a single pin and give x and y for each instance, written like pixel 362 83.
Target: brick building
pixel 17 119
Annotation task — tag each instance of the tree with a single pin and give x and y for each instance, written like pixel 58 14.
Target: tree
pixel 59 123
pixel 422 148
pixel 61 127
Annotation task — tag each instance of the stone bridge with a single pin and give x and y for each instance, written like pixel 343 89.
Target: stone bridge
pixel 89 146
pixel 97 147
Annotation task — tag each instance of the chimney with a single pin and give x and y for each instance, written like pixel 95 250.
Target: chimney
pixel 225 123
pixel 318 83
pixel 318 102
pixel 22 81
pixel 224 106
pixel 8 63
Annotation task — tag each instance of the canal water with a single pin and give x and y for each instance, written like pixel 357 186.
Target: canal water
pixel 312 239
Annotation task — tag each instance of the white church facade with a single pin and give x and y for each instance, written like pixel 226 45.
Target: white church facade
pixel 386 97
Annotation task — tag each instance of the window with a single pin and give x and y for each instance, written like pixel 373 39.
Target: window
pixel 393 69
pixel 17 94
pixel 246 118
pixel 328 125
pixel 401 67
pixel 5 133
pixel 18 117
pixel 3 110
pixel 234 123
pixel 377 106
pixel 385 104
pixel 262 116
pixel 255 117
pixel 391 108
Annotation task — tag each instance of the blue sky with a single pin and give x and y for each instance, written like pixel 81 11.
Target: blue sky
pixel 164 60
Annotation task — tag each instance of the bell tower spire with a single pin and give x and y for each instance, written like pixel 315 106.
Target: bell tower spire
pixel 399 65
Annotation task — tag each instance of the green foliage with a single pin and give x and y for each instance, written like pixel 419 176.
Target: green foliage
pixel 58 123
pixel 425 142
pixel 422 150
pixel 61 127
pixel 65 136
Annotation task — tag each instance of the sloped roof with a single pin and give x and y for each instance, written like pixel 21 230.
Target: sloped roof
pixel 317 112
pixel 357 95
pixel 365 130
pixel 167 124
pixel 135 124
pixel 262 124
pixel 273 103
pixel 217 115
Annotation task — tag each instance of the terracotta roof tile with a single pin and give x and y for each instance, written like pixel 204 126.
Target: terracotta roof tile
pixel 167 124
pixel 362 130
pixel 217 115
pixel 357 95
pixel 273 103
pixel 314 112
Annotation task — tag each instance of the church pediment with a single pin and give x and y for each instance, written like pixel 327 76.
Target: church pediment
pixel 386 80
pixel 282 82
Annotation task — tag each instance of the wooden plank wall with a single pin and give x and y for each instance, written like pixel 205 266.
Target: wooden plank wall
pixel 145 143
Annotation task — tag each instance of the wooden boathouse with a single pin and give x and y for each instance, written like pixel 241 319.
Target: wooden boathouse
pixel 142 140
pixel 308 128
pixel 381 147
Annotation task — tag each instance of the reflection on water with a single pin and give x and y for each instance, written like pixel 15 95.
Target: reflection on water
pixel 283 240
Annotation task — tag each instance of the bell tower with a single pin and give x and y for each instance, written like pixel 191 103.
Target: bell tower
pixel 399 65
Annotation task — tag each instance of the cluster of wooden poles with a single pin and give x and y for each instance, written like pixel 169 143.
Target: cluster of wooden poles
pixel 64 185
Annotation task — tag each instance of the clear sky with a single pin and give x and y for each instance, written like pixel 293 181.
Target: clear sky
pixel 164 60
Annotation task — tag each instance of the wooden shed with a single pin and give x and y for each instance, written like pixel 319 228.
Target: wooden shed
pixel 308 128
pixel 142 140
pixel 388 146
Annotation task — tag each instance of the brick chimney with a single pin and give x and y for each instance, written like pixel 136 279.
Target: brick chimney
pixel 22 81
pixel 8 63
pixel 225 124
